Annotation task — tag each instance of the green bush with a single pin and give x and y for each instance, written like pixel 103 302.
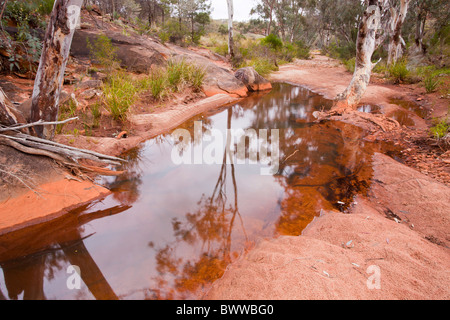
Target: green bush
pixel 24 12
pixel 164 36
pixel 302 51
pixel 119 94
pixel 175 73
pixel 440 128
pixel 103 52
pixel 222 49
pixel 340 51
pixel 157 84
pixel 350 64
pixel 176 76
pixel 398 71
pixel 181 73
pixel 263 66
pixel 45 7
pixel 223 29
pixel 272 41
pixel 431 82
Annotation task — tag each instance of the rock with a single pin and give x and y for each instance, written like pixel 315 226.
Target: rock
pixel 90 84
pixel 25 107
pixel 89 94
pixel 252 79
pixel 217 80
pixel 135 53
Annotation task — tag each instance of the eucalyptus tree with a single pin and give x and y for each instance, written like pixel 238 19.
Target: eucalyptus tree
pixel 55 55
pixel 365 46
pixel 398 10
pixel 230 28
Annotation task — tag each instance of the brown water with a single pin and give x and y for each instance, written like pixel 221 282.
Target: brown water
pixel 168 231
pixel 405 115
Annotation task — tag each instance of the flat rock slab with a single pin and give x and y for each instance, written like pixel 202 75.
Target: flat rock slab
pixel 361 255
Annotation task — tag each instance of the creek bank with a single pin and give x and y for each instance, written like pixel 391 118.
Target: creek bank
pixel 400 229
pixel 137 54
pixel 404 238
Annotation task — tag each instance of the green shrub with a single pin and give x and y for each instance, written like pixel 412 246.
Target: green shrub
pixel 181 73
pixel 222 49
pixel 263 66
pixel 272 41
pixel 164 36
pixel 440 128
pixel 103 52
pixel 175 73
pixel 223 29
pixel 196 77
pixel 398 71
pixel 119 94
pixel 45 7
pixel 340 51
pixel 302 51
pixel 24 12
pixel 431 82
pixel 96 115
pixel 157 83
pixel 350 64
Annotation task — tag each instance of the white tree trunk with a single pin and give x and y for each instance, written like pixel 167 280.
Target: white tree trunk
pixel 395 28
pixel 365 46
pixel 230 28
pixel 55 54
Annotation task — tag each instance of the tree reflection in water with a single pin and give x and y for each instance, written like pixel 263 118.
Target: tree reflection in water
pixel 212 225
pixel 198 219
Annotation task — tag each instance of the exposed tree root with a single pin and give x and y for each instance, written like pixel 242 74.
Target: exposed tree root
pixel 380 121
pixel 64 155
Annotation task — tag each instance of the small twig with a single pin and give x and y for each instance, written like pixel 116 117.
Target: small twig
pixel 290 156
pixel 23 182
pixel 38 123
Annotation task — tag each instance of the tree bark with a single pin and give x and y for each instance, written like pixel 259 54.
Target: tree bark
pixel 396 23
pixel 420 29
pixel 365 46
pixel 230 28
pixel 50 74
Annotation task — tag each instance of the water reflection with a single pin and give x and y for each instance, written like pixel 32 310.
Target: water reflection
pixel 168 231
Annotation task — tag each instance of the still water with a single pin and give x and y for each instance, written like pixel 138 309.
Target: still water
pixel 168 231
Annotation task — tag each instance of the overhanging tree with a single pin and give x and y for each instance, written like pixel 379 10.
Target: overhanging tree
pixel 50 74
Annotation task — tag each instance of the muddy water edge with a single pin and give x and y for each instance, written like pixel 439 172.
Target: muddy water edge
pixel 168 231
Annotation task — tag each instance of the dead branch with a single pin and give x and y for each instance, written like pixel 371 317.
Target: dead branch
pixel 38 123
pixel 66 151
pixel 33 151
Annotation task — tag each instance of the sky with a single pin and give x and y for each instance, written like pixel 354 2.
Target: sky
pixel 241 9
